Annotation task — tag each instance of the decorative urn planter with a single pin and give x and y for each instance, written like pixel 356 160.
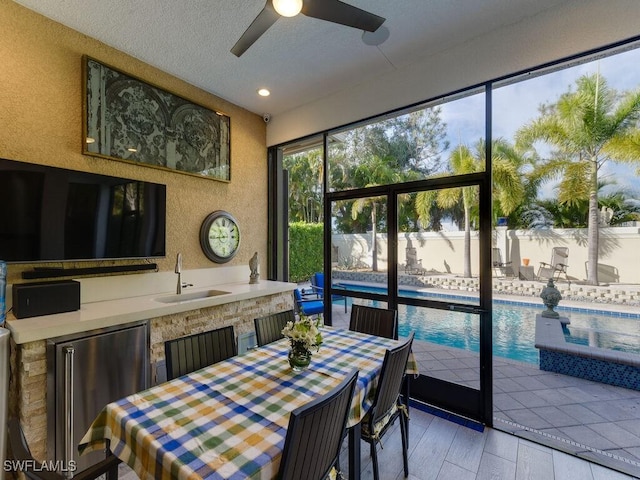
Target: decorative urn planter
pixel 550 297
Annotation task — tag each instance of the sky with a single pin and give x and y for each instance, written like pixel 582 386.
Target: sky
pixel 516 104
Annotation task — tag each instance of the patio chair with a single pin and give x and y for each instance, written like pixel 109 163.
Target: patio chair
pixel 500 268
pixel 315 433
pixel 269 328
pixel 556 267
pixel 387 405
pixel 414 264
pixel 34 470
pixel 307 307
pixel 374 321
pixel 317 285
pixel 188 354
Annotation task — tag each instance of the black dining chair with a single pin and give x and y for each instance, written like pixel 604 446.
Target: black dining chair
pixel 34 470
pixel 269 328
pixel 187 354
pixel 382 322
pixel 387 406
pixel 315 433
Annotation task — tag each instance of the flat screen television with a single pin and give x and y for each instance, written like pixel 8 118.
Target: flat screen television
pixel 50 214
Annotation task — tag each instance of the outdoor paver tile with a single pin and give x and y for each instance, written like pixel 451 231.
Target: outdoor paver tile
pixel 611 411
pixel 511 371
pixel 508 385
pixel 504 401
pixel 578 394
pixel 530 383
pixel 442 354
pixel 582 413
pixel 553 397
pixel 634 452
pixel 585 435
pixel 616 434
pixel 632 426
pixel 602 473
pixel 527 418
pixel 453 363
pixel 604 392
pixel 434 365
pixel 555 380
pixel 555 416
pixel 529 399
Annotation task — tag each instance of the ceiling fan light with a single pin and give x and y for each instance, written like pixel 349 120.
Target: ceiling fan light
pixel 287 8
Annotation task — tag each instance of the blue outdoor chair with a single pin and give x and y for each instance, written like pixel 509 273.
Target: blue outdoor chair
pixel 307 307
pixel 317 285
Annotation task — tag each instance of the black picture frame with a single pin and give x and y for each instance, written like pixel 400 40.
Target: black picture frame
pixel 128 119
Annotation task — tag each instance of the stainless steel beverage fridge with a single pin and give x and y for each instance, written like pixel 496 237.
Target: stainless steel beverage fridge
pixel 84 373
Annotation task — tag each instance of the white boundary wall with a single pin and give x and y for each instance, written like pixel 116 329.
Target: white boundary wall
pixel 619 260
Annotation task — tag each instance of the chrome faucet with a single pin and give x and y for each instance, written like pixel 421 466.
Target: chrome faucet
pixel 179 272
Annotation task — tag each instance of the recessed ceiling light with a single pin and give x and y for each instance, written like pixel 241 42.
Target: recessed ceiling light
pixel 132 149
pixel 263 92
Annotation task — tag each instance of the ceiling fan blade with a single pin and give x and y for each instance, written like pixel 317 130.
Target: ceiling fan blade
pixel 339 12
pixel 261 24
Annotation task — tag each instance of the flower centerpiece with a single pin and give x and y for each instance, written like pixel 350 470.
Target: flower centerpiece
pixel 304 336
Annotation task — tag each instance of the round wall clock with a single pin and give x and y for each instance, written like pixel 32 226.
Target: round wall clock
pixel 220 236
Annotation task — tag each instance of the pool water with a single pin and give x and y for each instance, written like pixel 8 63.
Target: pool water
pixel 623 342
pixel 514 326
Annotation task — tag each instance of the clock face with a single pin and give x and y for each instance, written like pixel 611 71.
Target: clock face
pixel 220 236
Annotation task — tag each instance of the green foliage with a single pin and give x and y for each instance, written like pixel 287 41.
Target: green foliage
pixel 305 185
pixel 305 250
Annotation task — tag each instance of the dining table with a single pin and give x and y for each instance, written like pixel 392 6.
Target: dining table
pixel 229 420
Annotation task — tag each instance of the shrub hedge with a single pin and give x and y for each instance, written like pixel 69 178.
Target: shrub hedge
pixel 305 250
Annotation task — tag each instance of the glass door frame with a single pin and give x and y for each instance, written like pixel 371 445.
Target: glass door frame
pixel 471 403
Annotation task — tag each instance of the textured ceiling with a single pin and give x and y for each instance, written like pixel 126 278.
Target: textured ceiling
pixel 299 59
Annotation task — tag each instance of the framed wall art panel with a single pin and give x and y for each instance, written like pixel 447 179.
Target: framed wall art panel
pixel 128 119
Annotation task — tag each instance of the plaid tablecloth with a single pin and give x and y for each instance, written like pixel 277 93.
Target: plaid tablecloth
pixel 229 420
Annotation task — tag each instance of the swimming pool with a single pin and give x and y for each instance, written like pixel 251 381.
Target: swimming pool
pixel 513 326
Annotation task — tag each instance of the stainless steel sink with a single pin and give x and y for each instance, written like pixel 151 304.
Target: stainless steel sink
pixel 190 296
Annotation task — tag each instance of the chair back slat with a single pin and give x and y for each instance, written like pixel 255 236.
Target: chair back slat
pixel 187 354
pixel 315 433
pixel 269 328
pixel 374 321
pixel 391 378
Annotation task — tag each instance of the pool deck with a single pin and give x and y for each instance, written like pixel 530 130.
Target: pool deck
pixel 594 421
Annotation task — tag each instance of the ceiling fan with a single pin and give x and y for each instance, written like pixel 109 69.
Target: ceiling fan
pixel 330 10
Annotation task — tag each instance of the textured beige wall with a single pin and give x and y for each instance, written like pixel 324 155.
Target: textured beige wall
pixel 41 122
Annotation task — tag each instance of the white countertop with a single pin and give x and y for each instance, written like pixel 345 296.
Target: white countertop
pixel 107 313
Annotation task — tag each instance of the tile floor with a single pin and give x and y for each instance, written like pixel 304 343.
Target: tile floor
pixel 586 419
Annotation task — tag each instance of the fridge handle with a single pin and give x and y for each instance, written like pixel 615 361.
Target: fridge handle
pixel 69 352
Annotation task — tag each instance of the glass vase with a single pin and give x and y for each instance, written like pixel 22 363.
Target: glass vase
pixel 299 359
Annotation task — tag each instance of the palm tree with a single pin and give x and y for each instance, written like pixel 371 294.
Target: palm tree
pixel 587 128
pixel 376 171
pixel 508 187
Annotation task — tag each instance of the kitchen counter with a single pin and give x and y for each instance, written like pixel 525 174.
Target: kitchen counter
pixel 107 313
